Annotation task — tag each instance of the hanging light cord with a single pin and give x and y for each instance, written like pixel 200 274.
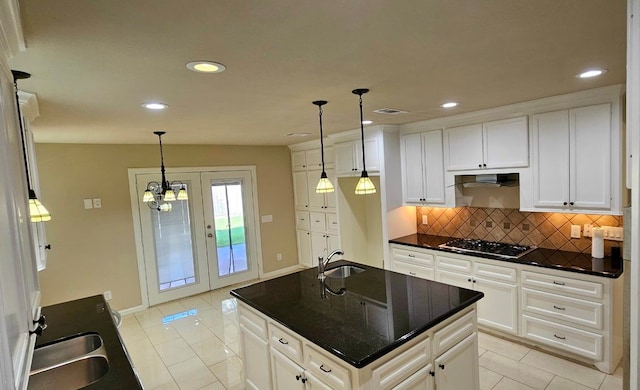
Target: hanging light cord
pixel 321 138
pixel 165 185
pixel 364 168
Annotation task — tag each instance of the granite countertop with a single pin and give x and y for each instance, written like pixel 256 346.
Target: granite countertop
pixel 359 318
pixel 91 315
pixel 547 258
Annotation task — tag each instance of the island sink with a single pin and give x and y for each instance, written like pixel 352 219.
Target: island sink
pixel 343 271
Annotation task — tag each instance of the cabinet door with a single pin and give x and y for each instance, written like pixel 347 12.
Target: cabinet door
pixel 285 374
pixel 433 162
pixel 316 200
pixel 412 174
pixel 372 159
pixel 506 143
pixel 318 247
pixel 464 147
pixel 255 354
pixel 590 167
pixel 345 159
pixel 300 191
pixel 313 383
pixel 551 159
pixel 499 307
pixel 305 257
pixel 421 380
pixel 314 159
pixel 318 221
pixel 458 367
pixel 455 279
pixel 302 220
pixel 330 197
pixel 333 243
pixel 298 160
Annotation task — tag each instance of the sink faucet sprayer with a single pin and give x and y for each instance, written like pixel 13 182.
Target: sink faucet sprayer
pixel 322 264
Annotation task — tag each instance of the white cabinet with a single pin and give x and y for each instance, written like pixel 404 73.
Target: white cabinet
pixel 285 373
pixel 572 159
pixel 313 244
pixel 312 159
pixel 458 367
pixel 322 201
pixel 423 168
pixel 349 157
pixel 499 283
pixel 305 256
pixel 301 190
pixel 414 261
pixel 254 347
pixel 490 145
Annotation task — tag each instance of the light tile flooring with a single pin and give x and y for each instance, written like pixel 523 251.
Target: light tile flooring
pixel 192 343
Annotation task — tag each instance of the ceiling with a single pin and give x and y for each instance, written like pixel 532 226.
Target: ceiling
pixel 93 63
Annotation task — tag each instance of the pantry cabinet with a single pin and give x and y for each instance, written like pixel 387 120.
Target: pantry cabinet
pixel 349 157
pixel 572 159
pixel 489 145
pixel 423 168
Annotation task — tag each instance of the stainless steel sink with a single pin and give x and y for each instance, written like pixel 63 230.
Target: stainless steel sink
pixel 344 271
pixel 69 364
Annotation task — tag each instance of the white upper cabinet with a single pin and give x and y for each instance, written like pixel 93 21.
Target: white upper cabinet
pixel 423 168
pixel 490 145
pixel 572 159
pixel 300 190
pixel 312 159
pixel 349 157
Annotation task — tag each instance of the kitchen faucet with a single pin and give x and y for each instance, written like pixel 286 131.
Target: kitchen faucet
pixel 322 264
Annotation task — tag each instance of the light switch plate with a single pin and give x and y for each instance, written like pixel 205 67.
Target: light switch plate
pixel 425 220
pixel 613 233
pixel 266 218
pixel 575 231
pixel 88 204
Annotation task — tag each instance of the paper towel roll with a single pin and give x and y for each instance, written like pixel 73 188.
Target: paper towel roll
pixel 597 243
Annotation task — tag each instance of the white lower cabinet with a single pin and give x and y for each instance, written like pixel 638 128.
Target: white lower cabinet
pixel 276 358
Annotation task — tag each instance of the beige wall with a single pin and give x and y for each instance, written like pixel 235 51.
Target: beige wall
pixel 94 250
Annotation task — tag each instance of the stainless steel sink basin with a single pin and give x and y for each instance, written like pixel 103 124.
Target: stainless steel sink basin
pixel 344 271
pixel 69 364
pixel 73 375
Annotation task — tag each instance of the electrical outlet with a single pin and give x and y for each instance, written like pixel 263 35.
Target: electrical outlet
pixel 425 220
pixel 107 295
pixel 279 256
pixel 587 230
pixel 97 203
pixel 575 231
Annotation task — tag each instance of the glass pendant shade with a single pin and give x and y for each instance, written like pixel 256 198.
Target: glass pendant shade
pixel 148 196
pixel 324 185
pixel 365 186
pixel 166 207
pixel 37 211
pixel 169 196
pixel 182 194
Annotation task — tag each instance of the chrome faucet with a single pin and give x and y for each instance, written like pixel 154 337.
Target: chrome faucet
pixel 322 264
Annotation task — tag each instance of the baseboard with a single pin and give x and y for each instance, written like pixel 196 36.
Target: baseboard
pixel 283 271
pixel 132 310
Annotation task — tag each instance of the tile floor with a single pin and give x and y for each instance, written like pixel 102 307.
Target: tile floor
pixel 192 343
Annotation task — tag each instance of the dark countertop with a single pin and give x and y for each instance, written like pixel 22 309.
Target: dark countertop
pixel 91 315
pixel 547 258
pixel 378 311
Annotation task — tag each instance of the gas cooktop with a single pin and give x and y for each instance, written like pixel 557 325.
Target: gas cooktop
pixel 499 249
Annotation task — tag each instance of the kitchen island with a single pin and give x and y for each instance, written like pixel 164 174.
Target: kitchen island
pixel 375 329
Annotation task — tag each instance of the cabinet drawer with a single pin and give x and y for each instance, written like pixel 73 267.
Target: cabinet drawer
pixel 454 264
pixel 577 311
pixel 327 369
pixel 415 257
pixel 570 339
pixel 495 272
pixel 302 220
pixel 396 370
pixel 454 333
pixel 560 285
pixel 332 222
pixel 254 322
pixel 414 269
pixel 317 221
pixel 285 342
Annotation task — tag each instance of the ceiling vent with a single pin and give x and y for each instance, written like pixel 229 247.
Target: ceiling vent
pixel 390 111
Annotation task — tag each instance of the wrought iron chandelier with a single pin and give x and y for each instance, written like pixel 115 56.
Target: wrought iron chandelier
pixel 159 196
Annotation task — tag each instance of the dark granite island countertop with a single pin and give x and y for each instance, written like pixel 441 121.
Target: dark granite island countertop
pixel 91 315
pixel 607 267
pixel 332 316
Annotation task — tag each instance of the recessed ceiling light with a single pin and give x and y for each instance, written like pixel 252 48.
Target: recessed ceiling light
pixel 298 134
pixel 449 105
pixel 367 122
pixel 591 73
pixel 206 67
pixel 154 106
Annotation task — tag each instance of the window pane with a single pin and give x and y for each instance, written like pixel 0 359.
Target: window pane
pixel 230 231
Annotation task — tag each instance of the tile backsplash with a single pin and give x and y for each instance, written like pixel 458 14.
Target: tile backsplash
pixel 544 230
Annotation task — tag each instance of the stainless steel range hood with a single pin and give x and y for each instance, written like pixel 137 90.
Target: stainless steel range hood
pixel 490 180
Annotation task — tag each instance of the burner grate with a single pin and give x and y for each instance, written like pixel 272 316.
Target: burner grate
pixel 500 249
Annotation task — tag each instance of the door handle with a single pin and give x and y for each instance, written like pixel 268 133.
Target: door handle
pixel 210 235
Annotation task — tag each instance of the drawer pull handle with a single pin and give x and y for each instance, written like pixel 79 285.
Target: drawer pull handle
pixel 558 283
pixel 411 255
pixel 558 307
pixel 285 342
pixel 412 273
pixel 559 337
pixel 323 369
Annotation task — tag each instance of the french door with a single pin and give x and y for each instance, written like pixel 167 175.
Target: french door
pixel 206 242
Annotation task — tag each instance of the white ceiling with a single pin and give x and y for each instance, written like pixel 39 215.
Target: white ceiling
pixel 94 62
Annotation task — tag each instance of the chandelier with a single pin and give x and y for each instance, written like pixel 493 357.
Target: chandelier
pixel 159 196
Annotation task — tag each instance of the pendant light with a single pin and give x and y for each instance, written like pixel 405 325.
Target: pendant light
pixel 365 185
pixel 324 184
pixel 37 211
pixel 158 195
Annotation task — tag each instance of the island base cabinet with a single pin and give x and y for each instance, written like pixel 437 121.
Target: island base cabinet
pixel 421 380
pixel 458 368
pixel 254 348
pixel 287 374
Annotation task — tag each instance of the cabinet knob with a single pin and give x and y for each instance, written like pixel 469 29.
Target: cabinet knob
pixel 432 373
pixel 304 380
pixel 484 165
pixel 473 281
pixel 479 165
pixel 468 280
pixel 298 377
pixel 571 203
pixel 441 366
pixel 47 247
pixel 564 203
